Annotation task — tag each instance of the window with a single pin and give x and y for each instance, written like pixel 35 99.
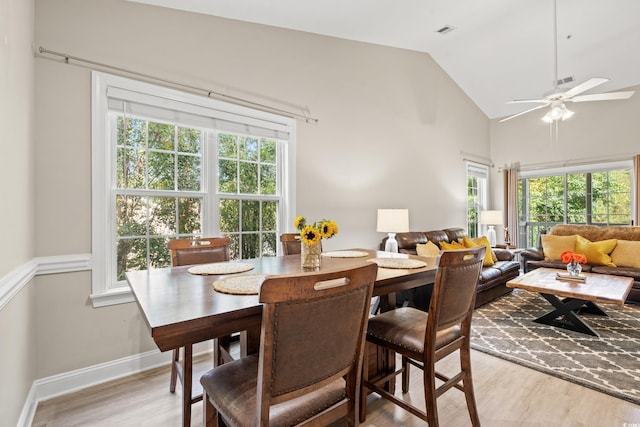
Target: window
pixel 477 189
pixel 594 194
pixel 169 164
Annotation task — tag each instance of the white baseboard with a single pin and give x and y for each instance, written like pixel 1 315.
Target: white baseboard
pixel 61 384
pixel 57 385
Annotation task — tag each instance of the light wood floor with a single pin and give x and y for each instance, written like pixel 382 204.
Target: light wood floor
pixel 507 395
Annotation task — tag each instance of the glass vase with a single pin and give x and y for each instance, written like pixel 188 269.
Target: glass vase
pixel 574 268
pixel 310 256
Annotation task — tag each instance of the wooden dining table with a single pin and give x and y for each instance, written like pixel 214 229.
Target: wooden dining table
pixel 182 309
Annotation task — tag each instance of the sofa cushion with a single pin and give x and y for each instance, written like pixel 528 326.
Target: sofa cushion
pixel 553 246
pixel 488 254
pixel 436 236
pixel 428 249
pixel 626 254
pixel 617 271
pixel 453 246
pixel 597 253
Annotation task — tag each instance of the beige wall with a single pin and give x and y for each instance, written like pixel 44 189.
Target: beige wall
pixel 17 331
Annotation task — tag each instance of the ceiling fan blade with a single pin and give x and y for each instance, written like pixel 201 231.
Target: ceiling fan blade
pixel 583 87
pixel 527 101
pixel 603 96
pixel 523 112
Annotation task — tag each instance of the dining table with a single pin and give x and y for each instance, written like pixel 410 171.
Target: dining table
pixel 181 308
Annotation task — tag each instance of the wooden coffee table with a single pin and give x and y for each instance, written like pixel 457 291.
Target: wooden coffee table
pixel 583 296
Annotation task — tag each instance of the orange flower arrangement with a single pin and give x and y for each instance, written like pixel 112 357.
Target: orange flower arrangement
pixel 570 256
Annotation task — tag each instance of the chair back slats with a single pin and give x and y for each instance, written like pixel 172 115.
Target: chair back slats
pixel 455 287
pixel 199 251
pixel 313 331
pixel 291 243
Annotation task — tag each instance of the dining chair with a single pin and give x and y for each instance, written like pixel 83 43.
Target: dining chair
pixel 188 252
pixel 308 369
pixel 423 338
pixel 290 243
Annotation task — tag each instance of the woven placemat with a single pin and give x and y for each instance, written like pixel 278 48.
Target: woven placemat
pixel 220 268
pixel 398 262
pixel 245 284
pixel 345 254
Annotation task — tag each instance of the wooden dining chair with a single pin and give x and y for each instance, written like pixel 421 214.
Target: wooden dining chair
pixel 290 243
pixel 188 252
pixel 424 338
pixel 309 366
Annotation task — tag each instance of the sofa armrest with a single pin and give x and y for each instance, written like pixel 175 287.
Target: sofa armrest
pixel 504 254
pixel 533 254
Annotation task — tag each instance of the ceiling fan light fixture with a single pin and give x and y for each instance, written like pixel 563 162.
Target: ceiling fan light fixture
pixel 558 111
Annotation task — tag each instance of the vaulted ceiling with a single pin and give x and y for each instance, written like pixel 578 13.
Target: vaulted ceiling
pixel 498 50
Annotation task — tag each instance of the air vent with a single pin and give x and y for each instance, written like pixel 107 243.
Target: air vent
pixel 565 80
pixel 446 29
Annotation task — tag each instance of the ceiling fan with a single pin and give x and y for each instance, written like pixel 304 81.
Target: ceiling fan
pixel 557 99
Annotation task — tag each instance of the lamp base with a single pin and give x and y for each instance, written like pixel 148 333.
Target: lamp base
pixel 392 244
pixel 491 236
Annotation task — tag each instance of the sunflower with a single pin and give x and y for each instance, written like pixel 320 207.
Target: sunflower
pixel 299 223
pixel 328 229
pixel 310 235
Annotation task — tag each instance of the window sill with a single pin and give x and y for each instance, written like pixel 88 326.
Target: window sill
pixel 112 297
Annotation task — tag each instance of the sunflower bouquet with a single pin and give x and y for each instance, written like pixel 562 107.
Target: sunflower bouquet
pixel 312 233
pixel 310 236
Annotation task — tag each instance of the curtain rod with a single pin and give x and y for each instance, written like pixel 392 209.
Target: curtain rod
pixel 579 162
pixel 209 93
pixel 470 157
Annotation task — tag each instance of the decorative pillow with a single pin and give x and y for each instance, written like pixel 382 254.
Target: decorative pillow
pixel 472 243
pixel 453 246
pixel 553 246
pixel 428 249
pixel 485 241
pixel 597 253
pixel 626 254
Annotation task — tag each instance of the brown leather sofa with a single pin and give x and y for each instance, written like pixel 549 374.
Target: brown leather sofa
pixel 492 281
pixel 533 258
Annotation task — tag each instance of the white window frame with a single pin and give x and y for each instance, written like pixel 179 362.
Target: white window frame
pixel 104 291
pixel 481 172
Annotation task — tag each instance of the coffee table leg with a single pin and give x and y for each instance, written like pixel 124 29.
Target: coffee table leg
pixel 566 308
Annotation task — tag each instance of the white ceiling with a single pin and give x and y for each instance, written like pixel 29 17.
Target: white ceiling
pixel 500 50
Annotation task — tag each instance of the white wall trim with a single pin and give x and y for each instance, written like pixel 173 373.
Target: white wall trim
pixel 57 385
pixel 12 283
pixel 18 278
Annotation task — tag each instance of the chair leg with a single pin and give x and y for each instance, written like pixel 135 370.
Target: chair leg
pixel 187 378
pixel 209 413
pixel 363 389
pixel 174 371
pixel 467 384
pixel 431 406
pixel 405 374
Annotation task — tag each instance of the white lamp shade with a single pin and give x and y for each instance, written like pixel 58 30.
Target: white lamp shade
pixel 491 217
pixel 393 220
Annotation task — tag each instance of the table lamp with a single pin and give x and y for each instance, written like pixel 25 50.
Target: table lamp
pixel 491 218
pixel 392 221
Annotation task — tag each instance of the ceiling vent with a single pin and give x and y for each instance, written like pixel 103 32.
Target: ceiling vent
pixel 565 81
pixel 446 29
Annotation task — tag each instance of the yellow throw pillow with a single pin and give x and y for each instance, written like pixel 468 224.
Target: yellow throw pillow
pixel 553 246
pixel 485 241
pixel 597 253
pixel 453 246
pixel 472 243
pixel 428 249
pixel 626 254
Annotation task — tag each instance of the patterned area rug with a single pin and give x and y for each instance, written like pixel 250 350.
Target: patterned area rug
pixel 610 363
